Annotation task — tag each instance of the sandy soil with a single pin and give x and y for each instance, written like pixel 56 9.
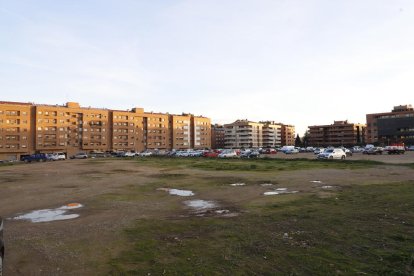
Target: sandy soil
pixel 83 246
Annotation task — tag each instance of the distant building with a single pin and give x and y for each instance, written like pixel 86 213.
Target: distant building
pixel 271 134
pixel 248 134
pixel 340 133
pixel 391 127
pixel 217 136
pixel 288 135
pixel 27 128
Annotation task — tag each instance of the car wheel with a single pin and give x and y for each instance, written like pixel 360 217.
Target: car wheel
pixel 330 157
pixel 343 157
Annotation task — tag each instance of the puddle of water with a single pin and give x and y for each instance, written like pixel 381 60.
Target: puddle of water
pixel 222 211
pixel 271 193
pixel 266 184
pixel 238 184
pixel 46 215
pixel 200 204
pixel 327 187
pixel 315 181
pixel 177 192
pixel 280 191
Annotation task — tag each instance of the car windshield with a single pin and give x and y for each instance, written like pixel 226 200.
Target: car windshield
pixel 329 150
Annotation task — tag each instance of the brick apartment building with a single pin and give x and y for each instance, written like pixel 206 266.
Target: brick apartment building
pixel 217 136
pixel 27 128
pixel 340 133
pixel 391 127
pixel 248 134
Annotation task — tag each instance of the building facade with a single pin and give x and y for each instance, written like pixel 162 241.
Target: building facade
pixel 248 134
pixel 340 133
pixel 217 136
pixel 27 128
pixel 396 126
pixel 271 134
pixel 288 135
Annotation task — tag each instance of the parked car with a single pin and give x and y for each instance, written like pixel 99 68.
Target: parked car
pixel 286 148
pixel 357 149
pixel 395 149
pixel 374 151
pixel 332 154
pixel 410 148
pixel 145 153
pixel 210 154
pixel 318 151
pixel 310 149
pixel 250 154
pixel 129 154
pixel 228 154
pixel 56 156
pixel 1 246
pixel 60 155
pixel 38 157
pixel 292 151
pixel 79 155
pixel 348 152
pixel 269 151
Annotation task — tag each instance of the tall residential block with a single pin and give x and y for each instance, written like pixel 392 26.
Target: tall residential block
pixel 272 134
pixel 288 135
pixel 340 133
pixel 248 134
pixel 27 128
pixel 391 127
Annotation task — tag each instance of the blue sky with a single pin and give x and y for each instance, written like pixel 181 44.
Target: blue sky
pixel 298 62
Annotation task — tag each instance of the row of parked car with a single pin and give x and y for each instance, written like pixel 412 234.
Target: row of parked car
pixel 42 157
pixel 220 153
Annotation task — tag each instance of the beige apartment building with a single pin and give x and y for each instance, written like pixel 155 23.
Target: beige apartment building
pixel 340 133
pixel 27 128
pixel 201 131
pixel 243 134
pixel 271 134
pixel 288 135
pixel 248 134
pixel 396 126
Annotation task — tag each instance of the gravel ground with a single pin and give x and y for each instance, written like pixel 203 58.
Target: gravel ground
pixel 84 246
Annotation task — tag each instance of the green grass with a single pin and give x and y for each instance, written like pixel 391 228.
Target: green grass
pixel 265 164
pixel 364 229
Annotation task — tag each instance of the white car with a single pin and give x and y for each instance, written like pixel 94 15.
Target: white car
pixel 228 154
pixel 145 153
pixel 129 154
pixel 56 156
pixel 332 154
pixel 60 155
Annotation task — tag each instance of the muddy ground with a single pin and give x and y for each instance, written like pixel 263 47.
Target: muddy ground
pixel 115 193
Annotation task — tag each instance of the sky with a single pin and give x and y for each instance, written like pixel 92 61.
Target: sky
pixel 306 62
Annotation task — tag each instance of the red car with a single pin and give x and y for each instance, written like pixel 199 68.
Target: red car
pixel 211 154
pixel 270 151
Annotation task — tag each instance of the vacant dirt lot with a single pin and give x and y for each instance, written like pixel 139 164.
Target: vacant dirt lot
pixel 115 193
